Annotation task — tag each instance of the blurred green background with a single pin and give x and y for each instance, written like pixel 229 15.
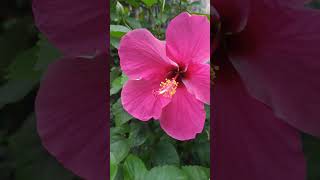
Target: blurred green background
pixel 24 56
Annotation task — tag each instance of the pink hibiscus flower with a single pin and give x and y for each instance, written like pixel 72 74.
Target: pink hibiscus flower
pixel 169 81
pixel 266 90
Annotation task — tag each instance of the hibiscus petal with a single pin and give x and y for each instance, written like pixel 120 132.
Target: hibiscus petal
pixel 75 27
pixel 249 142
pixel 197 81
pixel 184 117
pixel 188 39
pixel 143 56
pixel 139 99
pixel 71 110
pixel 278 61
pixel 233 13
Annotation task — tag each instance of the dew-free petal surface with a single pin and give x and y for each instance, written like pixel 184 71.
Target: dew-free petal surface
pixel 233 13
pixel 75 27
pixel 139 99
pixel 184 116
pixel 279 62
pixel 188 39
pixel 197 81
pixel 249 142
pixel 71 109
pixel 143 56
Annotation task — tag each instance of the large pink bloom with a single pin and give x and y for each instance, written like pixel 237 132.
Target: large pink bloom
pixel 267 88
pixel 179 65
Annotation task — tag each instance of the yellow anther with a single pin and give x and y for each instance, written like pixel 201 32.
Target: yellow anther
pixel 168 88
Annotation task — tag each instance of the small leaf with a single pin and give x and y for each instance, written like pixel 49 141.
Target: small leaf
pixel 207 109
pixel 119 8
pixel 120 149
pixel 166 173
pixel 134 23
pixel 149 3
pixel 31 160
pixel 22 66
pixel 120 115
pixel 134 168
pixel 114 73
pixel 15 90
pixel 197 172
pixel 21 78
pixel 138 134
pixel 14 38
pixel 165 154
pixel 114 42
pixel 113 167
pixel 47 53
pixel 117 31
pixel 117 84
pixel 201 151
pixel 133 3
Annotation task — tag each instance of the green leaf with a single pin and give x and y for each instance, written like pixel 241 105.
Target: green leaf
pixel 21 78
pixel 119 8
pixel 114 42
pixel 165 154
pixel 25 71
pixel 121 130
pixel 166 173
pixel 202 152
pixel 113 167
pixel 120 115
pixel 32 161
pixel 149 3
pixel 15 90
pixel 117 84
pixel 207 108
pixel 311 149
pixel 197 172
pixel 138 134
pixel 133 3
pixel 22 67
pixel 47 53
pixel 117 31
pixel 163 4
pixel 14 38
pixel 195 3
pixel 134 168
pixel 134 23
pixel 114 73
pixel 120 149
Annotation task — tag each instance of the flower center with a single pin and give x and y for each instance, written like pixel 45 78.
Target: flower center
pixel 169 86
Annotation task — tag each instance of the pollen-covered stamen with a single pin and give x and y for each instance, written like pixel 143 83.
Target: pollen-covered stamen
pixel 168 88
